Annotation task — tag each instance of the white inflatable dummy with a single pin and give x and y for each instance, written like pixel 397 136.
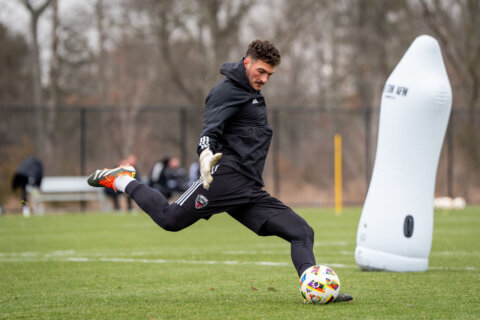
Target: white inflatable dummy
pixel 396 226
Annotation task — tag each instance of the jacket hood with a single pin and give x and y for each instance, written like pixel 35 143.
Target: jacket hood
pixel 236 72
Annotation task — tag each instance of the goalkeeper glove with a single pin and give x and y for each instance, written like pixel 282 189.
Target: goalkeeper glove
pixel 207 161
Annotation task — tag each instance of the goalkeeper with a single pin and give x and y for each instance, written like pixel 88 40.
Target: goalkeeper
pixel 232 149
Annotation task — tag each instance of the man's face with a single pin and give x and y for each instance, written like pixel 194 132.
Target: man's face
pixel 258 72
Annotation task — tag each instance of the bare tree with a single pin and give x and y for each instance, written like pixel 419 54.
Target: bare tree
pixel 15 74
pixel 102 54
pixel 195 38
pixel 53 88
pixel 456 24
pixel 35 14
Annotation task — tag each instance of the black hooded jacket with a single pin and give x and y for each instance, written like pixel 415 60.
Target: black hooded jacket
pixel 235 123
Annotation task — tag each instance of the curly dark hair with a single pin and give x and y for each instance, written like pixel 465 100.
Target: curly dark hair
pixel 263 50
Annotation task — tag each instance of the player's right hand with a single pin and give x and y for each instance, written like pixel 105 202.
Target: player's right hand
pixel 207 161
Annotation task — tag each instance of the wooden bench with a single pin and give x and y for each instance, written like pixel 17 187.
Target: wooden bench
pixel 64 188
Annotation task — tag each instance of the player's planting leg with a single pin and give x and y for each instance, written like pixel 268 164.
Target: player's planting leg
pixel 294 229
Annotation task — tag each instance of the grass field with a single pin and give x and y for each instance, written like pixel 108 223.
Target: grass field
pixel 122 266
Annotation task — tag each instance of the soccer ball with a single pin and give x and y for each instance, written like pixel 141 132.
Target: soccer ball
pixel 319 285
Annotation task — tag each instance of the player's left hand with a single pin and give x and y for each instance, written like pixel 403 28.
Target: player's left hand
pixel 207 161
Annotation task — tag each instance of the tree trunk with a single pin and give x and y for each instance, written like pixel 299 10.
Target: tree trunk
pixel 36 72
pixel 53 98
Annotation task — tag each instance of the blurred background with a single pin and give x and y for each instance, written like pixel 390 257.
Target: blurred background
pixel 84 84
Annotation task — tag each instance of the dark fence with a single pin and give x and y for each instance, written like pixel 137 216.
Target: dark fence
pixel 299 168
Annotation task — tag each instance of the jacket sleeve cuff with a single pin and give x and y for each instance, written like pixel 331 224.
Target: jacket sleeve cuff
pixel 205 143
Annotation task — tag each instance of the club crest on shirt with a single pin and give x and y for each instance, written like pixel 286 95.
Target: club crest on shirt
pixel 201 201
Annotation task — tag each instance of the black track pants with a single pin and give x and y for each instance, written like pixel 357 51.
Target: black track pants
pixel 242 199
pixel 169 217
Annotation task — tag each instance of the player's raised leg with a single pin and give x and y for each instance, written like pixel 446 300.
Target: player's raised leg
pixel 170 217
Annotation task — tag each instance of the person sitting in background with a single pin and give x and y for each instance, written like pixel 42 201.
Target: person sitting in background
pixel 193 173
pixel 168 177
pixel 156 173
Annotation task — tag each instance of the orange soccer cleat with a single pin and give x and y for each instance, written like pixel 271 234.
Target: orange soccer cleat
pixel 106 177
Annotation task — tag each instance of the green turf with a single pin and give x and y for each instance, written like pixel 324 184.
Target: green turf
pixel 111 266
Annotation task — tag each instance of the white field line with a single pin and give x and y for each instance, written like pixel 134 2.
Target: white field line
pixel 455 253
pixel 254 252
pixel 316 244
pixel 330 243
pixel 70 256
pixel 453 269
pixel 257 263
pixel 66 253
pixel 182 261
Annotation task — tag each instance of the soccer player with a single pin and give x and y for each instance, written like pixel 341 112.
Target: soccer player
pixel 233 146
